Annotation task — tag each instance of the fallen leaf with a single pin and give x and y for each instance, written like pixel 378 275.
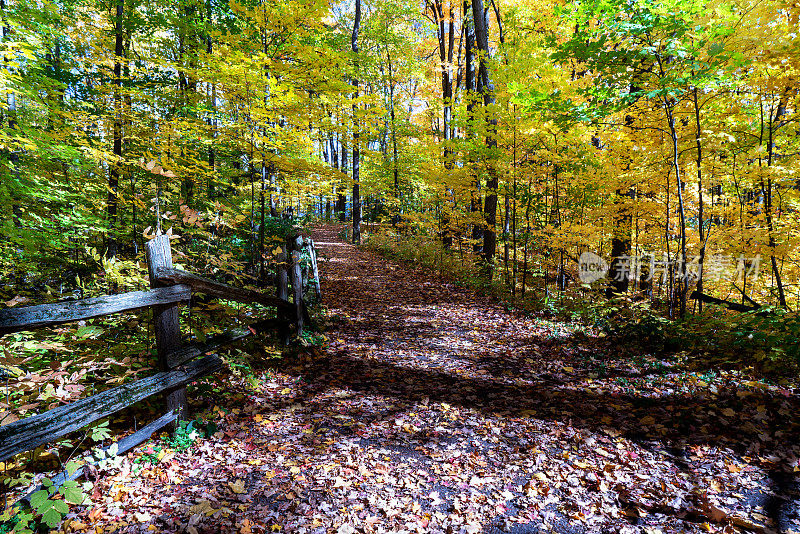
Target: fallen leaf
pixel 16 300
pixel 238 486
pixel 142 517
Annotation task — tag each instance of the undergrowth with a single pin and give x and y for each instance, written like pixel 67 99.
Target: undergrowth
pixel 49 367
pixel 766 340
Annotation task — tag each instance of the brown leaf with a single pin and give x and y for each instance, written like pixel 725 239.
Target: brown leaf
pixel 237 487
pixel 16 300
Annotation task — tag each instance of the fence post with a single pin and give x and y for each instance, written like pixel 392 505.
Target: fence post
pixel 282 290
pixel 282 275
pixel 166 320
pixel 315 270
pixel 296 275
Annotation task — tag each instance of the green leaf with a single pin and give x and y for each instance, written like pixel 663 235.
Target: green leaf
pixel 38 498
pixel 100 432
pixel 72 493
pixel 52 517
pixel 89 331
pixel 61 506
pixel 72 467
pixel 716 48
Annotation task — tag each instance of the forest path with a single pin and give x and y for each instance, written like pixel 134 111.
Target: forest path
pixel 432 409
pixel 467 417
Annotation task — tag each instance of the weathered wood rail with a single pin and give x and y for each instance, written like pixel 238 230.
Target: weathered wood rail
pixel 178 362
pixel 30 317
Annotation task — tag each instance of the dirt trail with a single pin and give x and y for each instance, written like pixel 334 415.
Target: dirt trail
pixel 431 409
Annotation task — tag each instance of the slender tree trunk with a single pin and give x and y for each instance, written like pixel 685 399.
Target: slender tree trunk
pixel 395 169
pixel 188 47
pixel 506 229
pixel 126 128
pixel 514 210
pixel 766 189
pixel 356 153
pixel 527 239
pixel 342 197
pixel 115 170
pixel 334 155
pixel 13 155
pixel 680 284
pixel 211 122
pixel 470 91
pixel 445 29
pixel 251 170
pixel 273 202
pixel 620 269
pixel 700 220
pixel 261 228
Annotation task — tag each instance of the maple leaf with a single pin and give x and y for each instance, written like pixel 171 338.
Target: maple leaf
pixel 238 486
pixel 204 507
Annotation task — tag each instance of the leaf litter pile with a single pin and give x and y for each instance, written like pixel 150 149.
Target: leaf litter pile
pixel 431 409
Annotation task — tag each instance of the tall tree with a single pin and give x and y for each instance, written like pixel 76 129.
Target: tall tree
pixel 487 89
pixel 11 115
pixel 356 132
pixel 115 171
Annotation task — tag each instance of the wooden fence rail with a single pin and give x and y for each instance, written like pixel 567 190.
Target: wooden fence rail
pixel 178 363
pixel 30 317
pixel 29 433
pixel 199 284
pixel 124 445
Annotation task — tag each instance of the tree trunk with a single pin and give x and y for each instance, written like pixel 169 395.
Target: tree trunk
pixel 342 200
pixel 619 270
pixel 490 206
pixel 261 229
pixel 766 189
pixel 211 122
pixel 470 89
pixel 395 170
pixel 115 170
pixel 356 153
pixel 13 155
pixel 446 39
pixel 700 221
pixel 680 285
pixel 188 48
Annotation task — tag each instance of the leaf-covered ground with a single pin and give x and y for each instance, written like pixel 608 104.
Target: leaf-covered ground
pixel 434 410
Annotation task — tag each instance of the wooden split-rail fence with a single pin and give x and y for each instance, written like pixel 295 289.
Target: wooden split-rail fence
pixel 179 363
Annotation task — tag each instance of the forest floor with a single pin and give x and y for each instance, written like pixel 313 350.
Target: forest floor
pixel 433 409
